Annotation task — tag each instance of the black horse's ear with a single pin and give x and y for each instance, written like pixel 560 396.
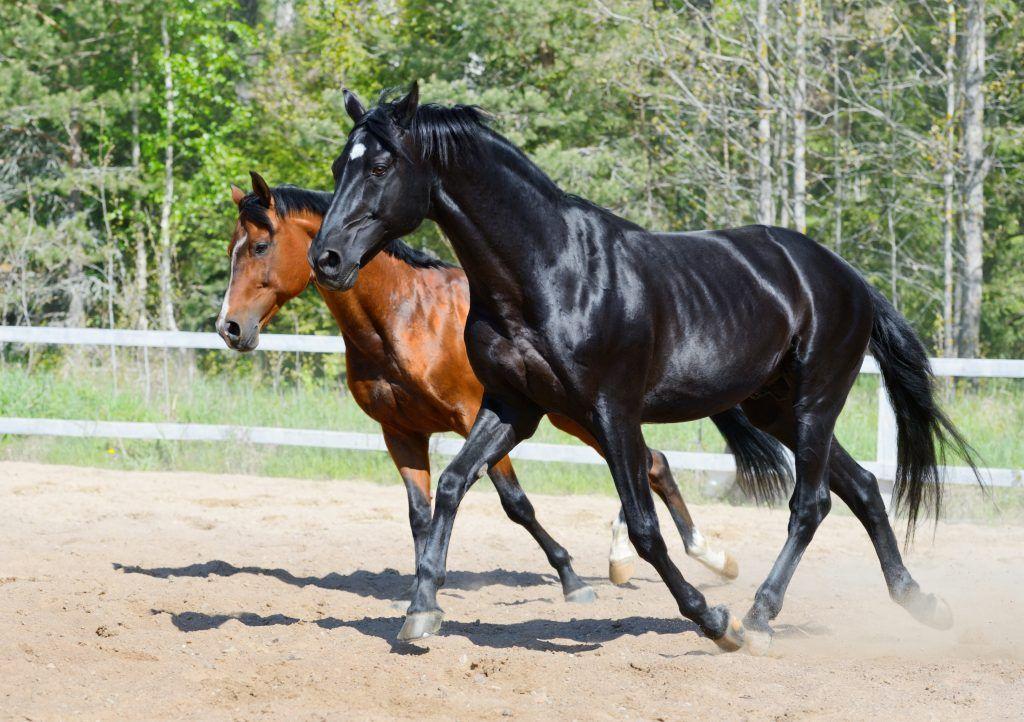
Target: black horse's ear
pixel 261 189
pixel 237 194
pixel 353 106
pixel 405 109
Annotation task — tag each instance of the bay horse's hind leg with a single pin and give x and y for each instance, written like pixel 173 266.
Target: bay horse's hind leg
pixel 621 440
pixel 697 546
pixel 858 488
pixel 520 510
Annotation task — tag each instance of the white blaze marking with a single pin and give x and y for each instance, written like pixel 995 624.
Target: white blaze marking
pixel 357 151
pixel 620 542
pixel 699 550
pixel 231 277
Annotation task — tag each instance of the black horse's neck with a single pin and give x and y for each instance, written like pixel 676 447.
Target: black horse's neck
pixel 506 219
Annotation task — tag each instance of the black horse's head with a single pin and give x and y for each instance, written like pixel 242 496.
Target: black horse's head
pixel 381 190
pixel 384 177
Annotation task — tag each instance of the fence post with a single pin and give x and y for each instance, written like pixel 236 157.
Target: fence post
pixel 885 444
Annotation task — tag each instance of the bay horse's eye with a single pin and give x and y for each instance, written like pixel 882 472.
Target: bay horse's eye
pixel 260 248
pixel 379 169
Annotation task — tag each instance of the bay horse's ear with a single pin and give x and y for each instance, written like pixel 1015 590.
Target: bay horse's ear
pixel 353 106
pixel 237 194
pixel 405 109
pixel 261 189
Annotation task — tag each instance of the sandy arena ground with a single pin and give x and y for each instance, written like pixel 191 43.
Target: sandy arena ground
pixel 148 595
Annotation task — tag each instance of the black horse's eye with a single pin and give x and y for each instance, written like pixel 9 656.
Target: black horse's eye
pixel 379 169
pixel 260 248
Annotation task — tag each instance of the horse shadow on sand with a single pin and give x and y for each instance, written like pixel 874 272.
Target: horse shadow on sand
pixel 541 635
pixel 388 584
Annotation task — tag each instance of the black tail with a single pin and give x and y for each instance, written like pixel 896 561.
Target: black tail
pixel 762 466
pixel 924 434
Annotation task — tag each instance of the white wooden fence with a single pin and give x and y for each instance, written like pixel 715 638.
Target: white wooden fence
pixel 884 466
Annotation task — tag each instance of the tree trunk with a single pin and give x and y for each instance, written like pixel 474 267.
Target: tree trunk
pixel 949 345
pixel 765 206
pixel 166 249
pixel 76 282
pixel 974 177
pixel 141 260
pixel 800 122
pixel 837 140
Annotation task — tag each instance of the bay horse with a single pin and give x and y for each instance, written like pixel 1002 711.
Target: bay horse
pixel 578 312
pixel 407 368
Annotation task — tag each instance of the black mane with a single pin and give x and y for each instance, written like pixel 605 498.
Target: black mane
pixel 448 135
pixel 289 199
pixel 444 134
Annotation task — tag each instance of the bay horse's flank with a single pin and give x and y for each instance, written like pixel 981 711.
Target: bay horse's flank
pixel 579 312
pixel 407 366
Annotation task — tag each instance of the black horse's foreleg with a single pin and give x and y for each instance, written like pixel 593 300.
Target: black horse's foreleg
pixel 499 426
pixel 520 510
pixel 858 488
pixel 622 442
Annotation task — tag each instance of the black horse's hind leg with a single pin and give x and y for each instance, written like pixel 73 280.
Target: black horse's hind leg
pixel 809 423
pixel 622 442
pixel 499 426
pixel 520 510
pixel 858 488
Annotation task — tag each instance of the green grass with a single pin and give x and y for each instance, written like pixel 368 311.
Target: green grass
pixel 85 388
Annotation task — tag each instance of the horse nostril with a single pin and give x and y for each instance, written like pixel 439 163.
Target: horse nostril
pixel 329 261
pixel 232 330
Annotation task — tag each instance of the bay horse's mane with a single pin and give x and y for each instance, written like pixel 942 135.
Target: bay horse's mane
pixel 451 134
pixel 289 199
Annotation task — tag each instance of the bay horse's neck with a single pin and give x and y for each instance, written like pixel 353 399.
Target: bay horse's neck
pixel 365 311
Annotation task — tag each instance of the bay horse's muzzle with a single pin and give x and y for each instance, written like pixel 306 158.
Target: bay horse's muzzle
pixel 239 336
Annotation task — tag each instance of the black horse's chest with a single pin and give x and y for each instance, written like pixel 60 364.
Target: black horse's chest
pixel 507 357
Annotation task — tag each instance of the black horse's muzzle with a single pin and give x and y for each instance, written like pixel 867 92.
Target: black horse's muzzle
pixel 334 273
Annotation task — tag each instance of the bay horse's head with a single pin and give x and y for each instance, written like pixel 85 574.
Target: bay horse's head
pixel 268 257
pixel 383 180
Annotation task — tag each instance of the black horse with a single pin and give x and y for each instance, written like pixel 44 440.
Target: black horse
pixel 576 311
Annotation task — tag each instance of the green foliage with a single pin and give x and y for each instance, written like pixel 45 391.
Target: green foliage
pixel 648 108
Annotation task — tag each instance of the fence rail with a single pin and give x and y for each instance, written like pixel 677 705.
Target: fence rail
pixel 884 466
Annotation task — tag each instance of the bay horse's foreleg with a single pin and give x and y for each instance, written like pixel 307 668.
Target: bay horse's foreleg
pixel 858 488
pixel 410 452
pixel 622 442
pixel 520 510
pixel 499 426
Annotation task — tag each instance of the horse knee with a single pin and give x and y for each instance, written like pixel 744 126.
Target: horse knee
pixel 451 487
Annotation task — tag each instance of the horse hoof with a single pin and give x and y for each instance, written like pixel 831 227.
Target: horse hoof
pixel 420 624
pixel 734 636
pixel 583 595
pixel 620 571
pixel 400 605
pixel 758 641
pixel 931 610
pixel 731 568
